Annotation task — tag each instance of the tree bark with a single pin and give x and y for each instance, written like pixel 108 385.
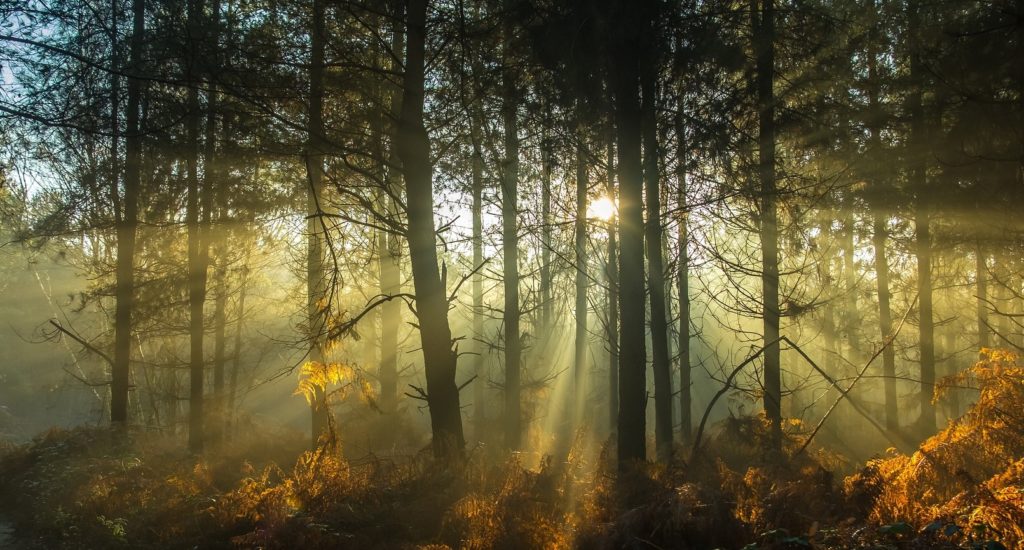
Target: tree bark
pixel 413 143
pixel 214 199
pixel 880 233
pixel 316 282
pixel 580 354
pixel 922 233
pixel 197 256
pixel 479 386
pixel 655 262
pixel 764 25
pixel 981 282
pixel 683 288
pixel 125 271
pixel 546 303
pixel 612 279
pixel 510 246
pixel 391 252
pixel 632 344
pixel 236 352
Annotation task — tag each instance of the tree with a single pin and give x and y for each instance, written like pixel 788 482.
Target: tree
pixel 625 78
pixel 413 147
pixel 764 45
pixel 510 236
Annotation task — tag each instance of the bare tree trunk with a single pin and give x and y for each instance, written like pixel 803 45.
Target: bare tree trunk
pixel 126 224
pixel 764 29
pixel 981 274
pixel 439 357
pixel 632 346
pixel 918 180
pixel 545 229
pixel 197 255
pixel 851 313
pixel 479 386
pixel 655 263
pixel 880 233
pixel 580 354
pixel 683 287
pixel 316 282
pixel 391 248
pixel 213 198
pixel 510 247
pixel 236 352
pixel 612 277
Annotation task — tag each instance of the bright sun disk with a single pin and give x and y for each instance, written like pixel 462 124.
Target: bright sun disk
pixel 601 208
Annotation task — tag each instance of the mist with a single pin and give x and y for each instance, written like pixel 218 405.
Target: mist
pixel 507 274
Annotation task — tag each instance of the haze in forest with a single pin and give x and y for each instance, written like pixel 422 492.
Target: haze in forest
pixel 648 234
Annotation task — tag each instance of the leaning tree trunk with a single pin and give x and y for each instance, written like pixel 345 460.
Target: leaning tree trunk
pixel 510 248
pixel 439 356
pixel 764 29
pixel 655 263
pixel 124 290
pixel 632 346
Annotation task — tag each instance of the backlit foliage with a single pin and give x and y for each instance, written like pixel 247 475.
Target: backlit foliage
pixel 970 475
pixel 336 380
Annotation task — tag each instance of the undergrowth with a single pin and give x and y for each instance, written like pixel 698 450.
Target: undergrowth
pixel 93 488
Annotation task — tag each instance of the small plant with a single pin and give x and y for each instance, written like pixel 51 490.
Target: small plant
pixel 116 526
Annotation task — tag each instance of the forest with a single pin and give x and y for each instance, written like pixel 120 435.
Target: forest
pixel 478 274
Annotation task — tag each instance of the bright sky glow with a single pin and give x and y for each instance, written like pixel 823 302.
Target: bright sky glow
pixel 602 208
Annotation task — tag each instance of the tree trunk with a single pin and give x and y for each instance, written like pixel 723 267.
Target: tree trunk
pixel 880 233
pixel 546 303
pixel 214 192
pixel 236 352
pixel 316 282
pixel 655 264
pixel 480 385
pixel 918 180
pixel 683 288
pixel 850 315
pixel 413 143
pixel 125 272
pixel 580 354
pixel 880 238
pixel 981 273
pixel 612 278
pixel 391 254
pixel 197 257
pixel 765 45
pixel 510 247
pixel 632 345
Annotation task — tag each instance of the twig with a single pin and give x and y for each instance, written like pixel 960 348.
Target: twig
pixel 721 392
pixel 843 392
pixel 79 339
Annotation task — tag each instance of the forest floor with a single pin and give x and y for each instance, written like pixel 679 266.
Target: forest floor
pixel 962 488
pixel 7 539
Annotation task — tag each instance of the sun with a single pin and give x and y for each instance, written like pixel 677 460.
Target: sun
pixel 602 208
